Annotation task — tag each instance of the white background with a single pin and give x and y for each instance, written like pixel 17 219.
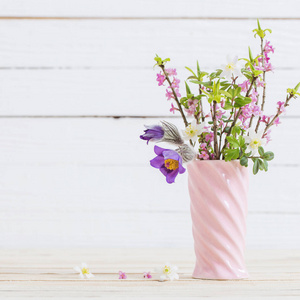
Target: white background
pixel 72 175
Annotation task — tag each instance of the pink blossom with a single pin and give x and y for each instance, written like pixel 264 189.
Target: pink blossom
pixel 177 93
pixel 265 119
pixel 147 275
pixel 245 85
pixel 267 136
pixel 209 137
pixel 268 48
pixel 281 107
pixel 169 94
pixel 277 122
pixel 191 110
pixel 204 155
pixel 253 96
pixel 260 83
pixel 192 102
pixel 171 72
pixel 122 275
pixel 268 67
pixel 160 78
pixel 255 110
pixel 173 108
pixel 175 83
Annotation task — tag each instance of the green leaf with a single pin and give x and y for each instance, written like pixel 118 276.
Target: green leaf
pixel 235 130
pixel 233 141
pixel 261 151
pixel 297 87
pixel 269 155
pixel 198 70
pixel 255 166
pixel 241 141
pixel 244 161
pixel 261 164
pixel 231 154
pixel 240 102
pixel 191 71
pixel 187 88
pixel 227 105
pixel 265 165
pixel 222 92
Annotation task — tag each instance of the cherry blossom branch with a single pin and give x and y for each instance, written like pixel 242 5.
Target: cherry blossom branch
pixel 264 80
pixel 175 96
pixel 288 98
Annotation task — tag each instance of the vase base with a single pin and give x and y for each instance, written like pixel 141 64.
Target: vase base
pixel 221 278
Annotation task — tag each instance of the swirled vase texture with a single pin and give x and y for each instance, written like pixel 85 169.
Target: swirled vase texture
pixel 218 192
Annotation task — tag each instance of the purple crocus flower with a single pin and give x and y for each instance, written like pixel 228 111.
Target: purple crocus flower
pixel 152 133
pixel 169 162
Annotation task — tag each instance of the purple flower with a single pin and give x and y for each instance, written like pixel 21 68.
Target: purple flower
pixel 153 133
pixel 169 162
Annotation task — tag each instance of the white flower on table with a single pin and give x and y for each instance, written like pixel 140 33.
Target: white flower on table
pixel 168 271
pixel 83 271
pixel 192 131
pixel 231 68
pixel 254 140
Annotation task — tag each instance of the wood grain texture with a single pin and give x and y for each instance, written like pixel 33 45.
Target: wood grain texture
pixel 85 182
pixel 96 93
pixel 49 274
pixel 101 44
pixel 154 8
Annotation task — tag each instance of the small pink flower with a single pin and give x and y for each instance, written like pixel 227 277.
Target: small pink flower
pixel 160 78
pixel 281 106
pixel 268 67
pixel 173 108
pixel 268 48
pixel 260 83
pixel 277 122
pixel 204 155
pixel 253 96
pixel 267 136
pixel 175 83
pixel 245 85
pixel 177 93
pixel 265 119
pixel 122 275
pixel 147 275
pixel 169 94
pixel 171 72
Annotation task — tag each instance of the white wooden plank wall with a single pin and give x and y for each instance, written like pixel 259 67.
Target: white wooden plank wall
pixel 73 176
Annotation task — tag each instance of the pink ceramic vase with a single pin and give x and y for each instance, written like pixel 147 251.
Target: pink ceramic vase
pixel 218 192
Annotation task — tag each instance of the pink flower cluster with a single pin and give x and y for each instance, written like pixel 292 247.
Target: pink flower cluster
pixel 174 84
pixel 267 65
pixel 192 107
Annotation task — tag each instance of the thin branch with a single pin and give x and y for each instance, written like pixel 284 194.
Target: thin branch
pixel 288 98
pixel 175 96
pixel 264 80
pixel 216 149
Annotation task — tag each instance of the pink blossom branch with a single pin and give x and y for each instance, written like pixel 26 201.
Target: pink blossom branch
pixel 288 98
pixel 175 96
pixel 264 80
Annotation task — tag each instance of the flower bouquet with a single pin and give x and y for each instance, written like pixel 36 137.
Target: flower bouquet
pixel 228 129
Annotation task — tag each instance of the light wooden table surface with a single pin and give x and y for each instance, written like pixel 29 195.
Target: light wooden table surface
pixel 41 274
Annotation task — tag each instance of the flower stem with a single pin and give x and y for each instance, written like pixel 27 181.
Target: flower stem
pixel 264 80
pixel 288 98
pixel 216 148
pixel 175 96
pixel 176 99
